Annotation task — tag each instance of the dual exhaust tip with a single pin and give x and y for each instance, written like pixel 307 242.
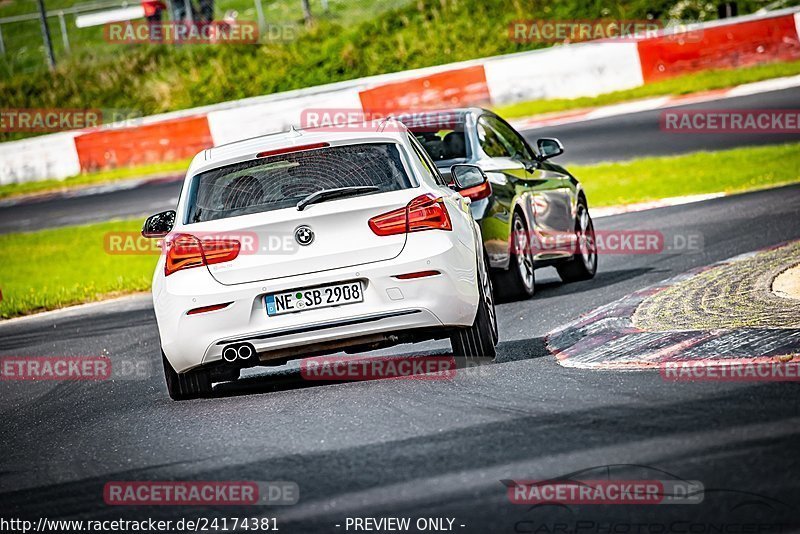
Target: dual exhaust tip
pixel 242 352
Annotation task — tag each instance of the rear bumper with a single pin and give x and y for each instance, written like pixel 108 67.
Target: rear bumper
pixel 390 305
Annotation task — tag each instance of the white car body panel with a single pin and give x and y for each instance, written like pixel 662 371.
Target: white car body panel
pixel 344 249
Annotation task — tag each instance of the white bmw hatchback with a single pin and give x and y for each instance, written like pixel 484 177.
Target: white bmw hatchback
pixel 311 242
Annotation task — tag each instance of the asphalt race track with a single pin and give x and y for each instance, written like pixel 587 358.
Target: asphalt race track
pixel 639 134
pixel 417 448
pixel 614 138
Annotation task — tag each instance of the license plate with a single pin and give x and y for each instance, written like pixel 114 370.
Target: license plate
pixel 311 299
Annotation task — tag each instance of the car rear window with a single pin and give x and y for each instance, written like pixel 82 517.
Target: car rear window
pixel 442 135
pixel 281 181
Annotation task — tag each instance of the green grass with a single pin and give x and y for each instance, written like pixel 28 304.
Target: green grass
pixel 94 178
pixel 690 83
pixel 54 268
pixel 23 40
pixel 645 179
pixel 363 39
pixel 51 269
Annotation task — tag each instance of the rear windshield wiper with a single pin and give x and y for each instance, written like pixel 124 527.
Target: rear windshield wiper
pixel 340 192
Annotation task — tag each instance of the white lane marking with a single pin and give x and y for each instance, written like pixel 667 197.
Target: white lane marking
pixel 625 108
pixel 89 190
pixel 568 117
pixel 765 86
pixel 125 301
pixel 607 211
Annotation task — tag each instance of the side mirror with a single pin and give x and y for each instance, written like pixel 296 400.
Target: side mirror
pixel 470 181
pixel 549 147
pixel 159 225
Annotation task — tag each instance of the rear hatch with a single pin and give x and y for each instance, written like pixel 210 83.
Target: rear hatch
pixel 341 238
pixel 255 202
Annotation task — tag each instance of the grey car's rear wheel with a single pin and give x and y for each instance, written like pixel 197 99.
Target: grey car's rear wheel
pixel 519 280
pixel 479 340
pixel 184 386
pixel 583 264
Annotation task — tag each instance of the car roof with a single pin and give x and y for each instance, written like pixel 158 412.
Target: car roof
pixel 336 135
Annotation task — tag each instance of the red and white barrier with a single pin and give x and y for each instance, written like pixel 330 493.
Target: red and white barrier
pixel 586 69
pixel 274 115
pixel 169 140
pixel 570 71
pixel 39 158
pixel 748 42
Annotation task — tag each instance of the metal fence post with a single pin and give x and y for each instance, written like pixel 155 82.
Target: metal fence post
pixel 2 44
pixel 260 13
pixel 64 36
pixel 48 44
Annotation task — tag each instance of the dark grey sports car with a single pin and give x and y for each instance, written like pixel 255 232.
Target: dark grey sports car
pixel 533 213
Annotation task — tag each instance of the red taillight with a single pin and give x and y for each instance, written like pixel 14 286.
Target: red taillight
pixel 185 251
pixel 425 212
pixel 391 223
pixel 478 192
pixel 290 149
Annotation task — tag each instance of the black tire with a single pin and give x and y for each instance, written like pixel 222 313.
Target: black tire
pixel 518 282
pixel 583 264
pixel 184 386
pixel 479 340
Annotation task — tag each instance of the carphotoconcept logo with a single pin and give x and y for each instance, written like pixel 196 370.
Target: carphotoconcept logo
pixel 619 492
pixel 607 485
pixel 578 502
